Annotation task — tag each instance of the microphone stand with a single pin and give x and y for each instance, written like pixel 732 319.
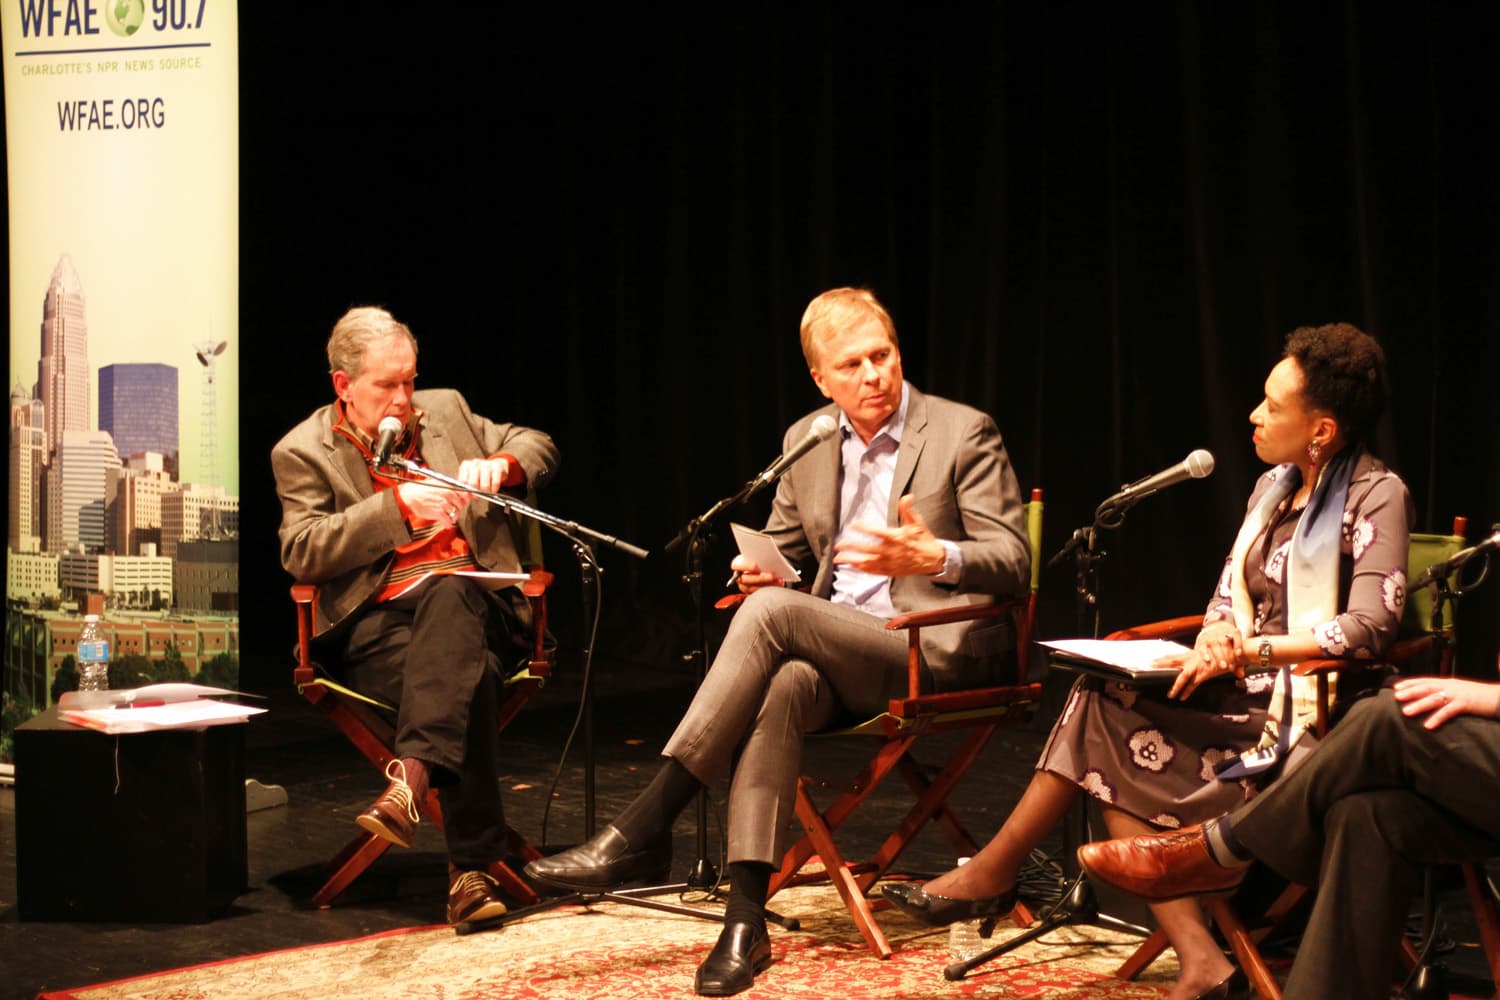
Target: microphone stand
pixel 703 876
pixel 589 572
pixel 1078 904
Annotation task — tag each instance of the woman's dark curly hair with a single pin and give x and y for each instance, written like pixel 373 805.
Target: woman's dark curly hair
pixel 1343 372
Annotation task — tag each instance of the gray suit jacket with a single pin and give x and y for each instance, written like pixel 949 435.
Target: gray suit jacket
pixel 955 467
pixel 338 532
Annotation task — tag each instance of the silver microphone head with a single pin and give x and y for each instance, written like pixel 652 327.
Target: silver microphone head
pixel 1200 463
pixel 825 425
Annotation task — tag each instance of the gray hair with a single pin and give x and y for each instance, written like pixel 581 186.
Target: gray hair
pixel 355 331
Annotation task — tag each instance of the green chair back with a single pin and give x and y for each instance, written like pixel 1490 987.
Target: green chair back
pixel 1424 551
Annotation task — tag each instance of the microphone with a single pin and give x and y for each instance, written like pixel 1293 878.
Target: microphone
pixel 819 432
pixel 390 430
pixel 1442 570
pixel 1197 465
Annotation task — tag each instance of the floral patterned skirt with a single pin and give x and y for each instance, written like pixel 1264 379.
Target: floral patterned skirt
pixel 1154 758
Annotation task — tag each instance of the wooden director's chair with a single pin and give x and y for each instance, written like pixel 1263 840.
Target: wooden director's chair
pixel 1423 642
pixel 976 713
pixel 370 725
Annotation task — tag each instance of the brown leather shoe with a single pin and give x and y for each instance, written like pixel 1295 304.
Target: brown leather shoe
pixel 394 815
pixel 1160 865
pixel 473 895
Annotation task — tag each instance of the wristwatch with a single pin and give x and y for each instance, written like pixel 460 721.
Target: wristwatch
pixel 1265 654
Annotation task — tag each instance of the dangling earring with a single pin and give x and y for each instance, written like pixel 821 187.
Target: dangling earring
pixel 1314 452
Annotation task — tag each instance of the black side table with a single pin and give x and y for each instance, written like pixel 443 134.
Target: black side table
pixel 137 827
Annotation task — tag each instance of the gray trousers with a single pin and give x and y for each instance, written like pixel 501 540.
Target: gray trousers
pixel 790 664
pixel 1381 797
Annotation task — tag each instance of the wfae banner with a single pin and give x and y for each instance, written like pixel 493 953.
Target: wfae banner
pixel 121 121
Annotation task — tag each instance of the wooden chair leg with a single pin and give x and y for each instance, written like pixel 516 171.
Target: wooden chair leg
pixel 348 865
pixel 1245 951
pixel 1148 951
pixel 512 884
pixel 1486 917
pixel 932 802
pixel 520 846
pixel 838 873
pixel 841 808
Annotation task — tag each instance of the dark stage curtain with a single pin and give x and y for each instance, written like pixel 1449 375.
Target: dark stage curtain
pixel 1097 224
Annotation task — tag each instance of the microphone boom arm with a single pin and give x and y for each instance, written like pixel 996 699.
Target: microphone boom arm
pixel 568 529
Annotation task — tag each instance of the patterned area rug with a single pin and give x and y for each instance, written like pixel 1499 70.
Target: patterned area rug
pixel 614 952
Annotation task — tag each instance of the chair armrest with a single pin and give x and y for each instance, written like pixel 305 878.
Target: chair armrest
pixel 915 621
pixel 1323 668
pixel 945 616
pixel 538 585
pixel 1161 629
pixel 304 596
pixel 1401 651
pixel 535 590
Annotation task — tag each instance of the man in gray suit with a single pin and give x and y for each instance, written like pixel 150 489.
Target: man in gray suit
pixel 383 553
pixel 913 505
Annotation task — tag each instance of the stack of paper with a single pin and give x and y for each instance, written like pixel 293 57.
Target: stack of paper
pixel 151 708
pixel 1135 659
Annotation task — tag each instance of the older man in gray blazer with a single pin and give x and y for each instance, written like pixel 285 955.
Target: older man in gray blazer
pixel 383 553
pixel 911 506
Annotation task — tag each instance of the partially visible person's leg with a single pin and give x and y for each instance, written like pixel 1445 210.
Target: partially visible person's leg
pixel 1374 846
pixel 863 666
pixel 995 868
pixel 1374 747
pixel 434 655
pixel 762 797
pixel 763 789
pixel 1201 962
pixel 859 665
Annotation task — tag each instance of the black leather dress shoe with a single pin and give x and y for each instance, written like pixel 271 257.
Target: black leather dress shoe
pixel 603 862
pixel 939 911
pixel 742 951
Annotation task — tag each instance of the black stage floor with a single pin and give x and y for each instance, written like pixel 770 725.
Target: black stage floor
pixel 327 784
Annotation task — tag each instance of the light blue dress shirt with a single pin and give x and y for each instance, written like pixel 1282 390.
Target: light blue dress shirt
pixel 865 498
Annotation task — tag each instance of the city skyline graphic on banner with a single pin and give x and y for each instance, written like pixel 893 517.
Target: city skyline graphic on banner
pixel 122 164
pixel 203 363
pixel 97 461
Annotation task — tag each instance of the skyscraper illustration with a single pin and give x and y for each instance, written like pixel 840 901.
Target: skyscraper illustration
pixel 62 378
pixel 138 407
pixel 26 472
pixel 83 471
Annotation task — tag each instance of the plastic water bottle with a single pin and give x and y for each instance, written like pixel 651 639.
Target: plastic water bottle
pixel 93 656
pixel 964 941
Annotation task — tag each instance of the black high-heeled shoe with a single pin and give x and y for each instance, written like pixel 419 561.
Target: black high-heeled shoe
pixel 939 911
pixel 1235 986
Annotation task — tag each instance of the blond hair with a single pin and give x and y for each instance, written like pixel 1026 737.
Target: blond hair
pixel 839 309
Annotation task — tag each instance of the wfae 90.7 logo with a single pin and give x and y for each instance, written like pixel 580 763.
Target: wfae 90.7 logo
pixel 81 18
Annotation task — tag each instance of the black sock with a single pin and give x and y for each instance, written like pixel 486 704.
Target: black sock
pixel 650 814
pixel 749 881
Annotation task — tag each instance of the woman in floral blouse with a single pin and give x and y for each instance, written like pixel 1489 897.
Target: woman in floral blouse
pixel 1318 569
